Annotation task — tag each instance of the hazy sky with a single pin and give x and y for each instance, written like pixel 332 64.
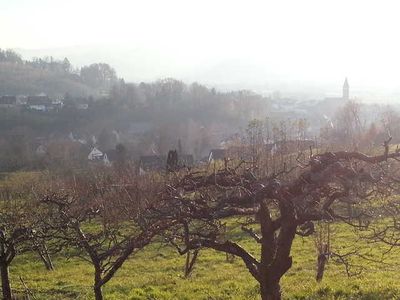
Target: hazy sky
pixel 299 40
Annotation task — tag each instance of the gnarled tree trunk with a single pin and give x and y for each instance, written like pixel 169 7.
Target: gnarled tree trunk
pixel 270 289
pixel 98 294
pixel 5 281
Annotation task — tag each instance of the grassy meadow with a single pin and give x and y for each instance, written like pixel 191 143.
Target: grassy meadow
pixel 157 273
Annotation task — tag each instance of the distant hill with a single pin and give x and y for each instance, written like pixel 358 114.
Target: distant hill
pixel 52 77
pixel 226 73
pixel 16 79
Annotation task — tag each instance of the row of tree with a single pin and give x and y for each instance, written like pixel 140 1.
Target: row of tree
pixel 109 215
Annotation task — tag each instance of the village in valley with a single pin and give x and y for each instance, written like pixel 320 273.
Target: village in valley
pixel 141 141
pixel 187 150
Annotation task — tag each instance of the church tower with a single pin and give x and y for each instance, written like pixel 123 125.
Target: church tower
pixel 346 90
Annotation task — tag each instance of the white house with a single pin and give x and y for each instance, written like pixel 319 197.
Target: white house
pixel 95 154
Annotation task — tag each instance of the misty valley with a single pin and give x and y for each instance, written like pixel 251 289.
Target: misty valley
pixel 214 150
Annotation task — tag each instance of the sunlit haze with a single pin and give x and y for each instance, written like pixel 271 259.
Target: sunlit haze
pixel 246 43
pixel 209 149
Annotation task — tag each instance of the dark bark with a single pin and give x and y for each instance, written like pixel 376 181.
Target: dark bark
pixel 270 290
pixel 98 282
pixel 275 250
pixel 5 281
pixel 98 294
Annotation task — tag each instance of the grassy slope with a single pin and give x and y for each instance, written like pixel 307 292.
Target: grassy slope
pixel 156 273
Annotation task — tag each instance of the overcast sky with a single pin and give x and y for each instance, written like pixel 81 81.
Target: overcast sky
pixel 317 40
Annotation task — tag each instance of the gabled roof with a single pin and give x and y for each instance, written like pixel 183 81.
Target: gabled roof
pixel 95 154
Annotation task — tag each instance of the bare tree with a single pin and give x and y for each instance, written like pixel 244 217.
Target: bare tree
pixel 390 122
pixel 105 217
pixel 348 127
pixel 17 235
pixel 274 208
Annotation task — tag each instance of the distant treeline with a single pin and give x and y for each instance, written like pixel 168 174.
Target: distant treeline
pixel 53 77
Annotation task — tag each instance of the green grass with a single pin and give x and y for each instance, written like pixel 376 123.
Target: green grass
pixel 156 273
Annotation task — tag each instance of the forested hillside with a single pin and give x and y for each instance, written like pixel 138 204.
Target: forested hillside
pixel 51 77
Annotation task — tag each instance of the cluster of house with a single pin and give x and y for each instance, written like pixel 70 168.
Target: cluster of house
pixel 157 162
pixel 179 160
pixel 145 163
pixel 37 103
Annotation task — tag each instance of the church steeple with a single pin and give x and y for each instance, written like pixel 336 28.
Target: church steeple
pixel 346 90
